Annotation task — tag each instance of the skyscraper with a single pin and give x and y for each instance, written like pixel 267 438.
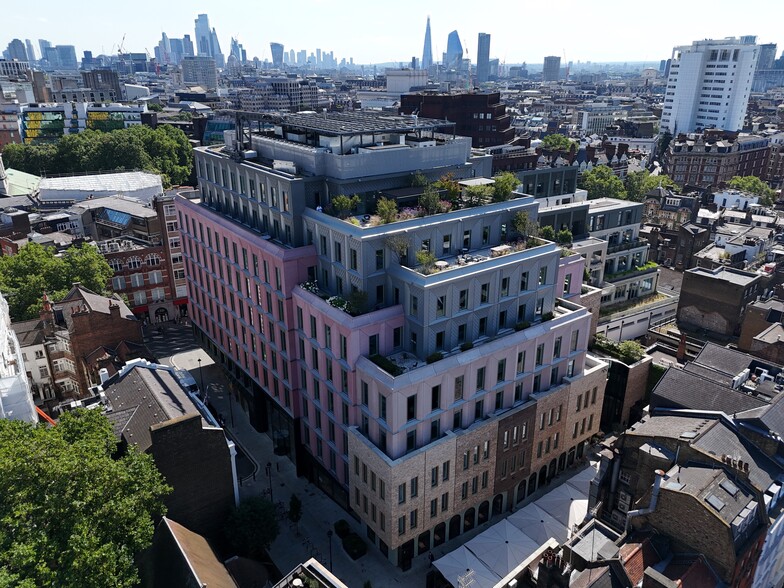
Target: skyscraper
pixel 31 51
pixel 277 54
pixel 551 70
pixel 43 44
pixel 16 50
pixel 216 50
pixel 483 58
pixel 722 67
pixel 187 46
pixel 454 51
pixel 767 55
pixel 203 36
pixel 427 52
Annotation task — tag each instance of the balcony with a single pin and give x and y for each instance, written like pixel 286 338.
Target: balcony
pixel 650 267
pixel 625 246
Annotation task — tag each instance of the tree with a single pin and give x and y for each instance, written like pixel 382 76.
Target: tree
pixel 357 301
pixel 398 245
pixel 430 201
pixel 601 182
pixel 505 183
pixel 547 232
pixel 564 237
pixel 343 205
pixel 449 185
pixel 386 208
pixel 638 184
pixel 70 514
pixel 24 277
pixel 477 195
pixel 252 527
pixel 426 259
pixel 164 150
pixel 556 142
pixel 753 185
pixel 154 107
pixel 295 510
pixel 419 180
pixel 522 224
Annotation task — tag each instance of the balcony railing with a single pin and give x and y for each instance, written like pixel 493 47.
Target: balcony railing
pixel 625 246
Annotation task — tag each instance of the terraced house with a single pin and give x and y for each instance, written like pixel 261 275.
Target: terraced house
pixel 426 367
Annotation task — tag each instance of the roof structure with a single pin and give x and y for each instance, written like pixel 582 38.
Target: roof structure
pixel 354 123
pixel 21 183
pixel 119 203
pixel 142 396
pixel 205 566
pixel 95 302
pixel 682 389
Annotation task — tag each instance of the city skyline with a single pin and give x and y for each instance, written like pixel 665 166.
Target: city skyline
pixel 402 35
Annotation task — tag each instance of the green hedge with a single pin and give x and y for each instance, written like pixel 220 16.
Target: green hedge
pixel 354 546
pixel 386 365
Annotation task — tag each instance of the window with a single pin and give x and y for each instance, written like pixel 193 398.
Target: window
pixel 411 407
pixel 524 282
pixel 459 388
pixel 504 286
pixel 137 280
pixel 483 326
pixel 379 259
pixel 434 477
pixel 575 337
pixel 445 471
pixel 414 306
pixel 557 347
pixel 401 525
pixel 118 283
pixel 539 354
pixel 480 379
pixel 382 407
pixel 543 276
pixel 461 333
pixel 373 344
pixel 433 507
pixel 447 244
pixel 501 371
pixel 401 494
pixel 520 362
pixel 353 259
pixel 414 484
pixel 134 262
pixel 464 490
pixel 499 400
pixel 479 409
pixel 435 397
pixel 441 306
pixel 463 300
pixel 445 501
pixel 485 295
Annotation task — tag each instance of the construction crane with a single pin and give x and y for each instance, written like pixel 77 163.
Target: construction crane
pixel 121 46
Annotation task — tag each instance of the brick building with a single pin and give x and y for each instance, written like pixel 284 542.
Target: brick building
pixel 713 158
pixel 479 115
pixel 715 299
pixel 149 408
pixel 762 330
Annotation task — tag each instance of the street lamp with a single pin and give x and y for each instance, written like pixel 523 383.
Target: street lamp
pixel 329 536
pixel 201 375
pixel 269 476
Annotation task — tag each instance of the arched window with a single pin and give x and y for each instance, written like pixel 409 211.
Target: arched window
pixel 153 259
pixel 134 262
pixel 116 264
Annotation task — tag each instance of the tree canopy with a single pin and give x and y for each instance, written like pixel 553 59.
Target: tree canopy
pixel 556 142
pixel 601 182
pixel 753 185
pixel 24 277
pixel 638 184
pixel 505 183
pixel 70 514
pixel 252 527
pixel 164 150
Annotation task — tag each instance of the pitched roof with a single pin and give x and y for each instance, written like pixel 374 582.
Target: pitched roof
pixel 638 555
pixel 682 389
pixel 97 303
pixel 141 397
pixel 205 566
pixel 29 332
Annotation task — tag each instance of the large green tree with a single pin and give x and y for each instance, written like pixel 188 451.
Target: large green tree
pixel 70 514
pixel 601 182
pixel 753 185
pixel 24 277
pixel 556 142
pixel 638 184
pixel 252 527
pixel 164 150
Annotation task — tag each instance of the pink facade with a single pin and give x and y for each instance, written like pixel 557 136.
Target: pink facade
pixel 570 275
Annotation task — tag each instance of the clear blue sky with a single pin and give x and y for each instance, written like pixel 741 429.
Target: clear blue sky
pixel 375 32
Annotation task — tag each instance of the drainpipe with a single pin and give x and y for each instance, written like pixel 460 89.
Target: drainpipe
pixel 652 506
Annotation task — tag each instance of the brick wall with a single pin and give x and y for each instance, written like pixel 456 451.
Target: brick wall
pixel 196 462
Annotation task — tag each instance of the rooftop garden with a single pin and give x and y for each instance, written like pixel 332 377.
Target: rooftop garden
pixel 355 304
pixel 633 304
pixel 438 197
pixel 628 352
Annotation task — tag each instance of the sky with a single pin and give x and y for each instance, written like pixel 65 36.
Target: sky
pixel 375 32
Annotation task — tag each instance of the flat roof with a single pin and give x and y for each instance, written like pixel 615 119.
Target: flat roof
pixel 117 182
pixel 353 123
pixel 726 274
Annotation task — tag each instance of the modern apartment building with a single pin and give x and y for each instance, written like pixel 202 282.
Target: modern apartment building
pixel 422 391
pixel 46 123
pixel 709 84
